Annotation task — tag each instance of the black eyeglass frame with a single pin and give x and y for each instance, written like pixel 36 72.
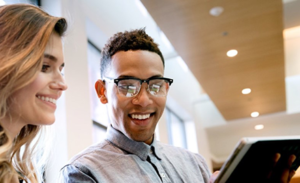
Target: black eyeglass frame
pixel 116 81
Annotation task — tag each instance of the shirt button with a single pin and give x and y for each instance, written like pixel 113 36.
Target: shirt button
pixel 162 174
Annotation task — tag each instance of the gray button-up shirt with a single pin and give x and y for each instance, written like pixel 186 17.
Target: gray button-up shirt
pixel 120 159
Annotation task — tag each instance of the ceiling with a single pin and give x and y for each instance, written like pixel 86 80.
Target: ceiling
pixel 254 28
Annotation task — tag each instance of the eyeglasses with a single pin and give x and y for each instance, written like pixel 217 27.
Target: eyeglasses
pixel 130 87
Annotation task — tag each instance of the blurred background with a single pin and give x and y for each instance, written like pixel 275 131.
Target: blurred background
pixel 235 65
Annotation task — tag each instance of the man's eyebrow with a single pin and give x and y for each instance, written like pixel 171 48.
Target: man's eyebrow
pixel 126 76
pixel 51 57
pixel 156 76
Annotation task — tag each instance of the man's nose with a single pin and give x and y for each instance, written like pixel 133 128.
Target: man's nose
pixel 143 98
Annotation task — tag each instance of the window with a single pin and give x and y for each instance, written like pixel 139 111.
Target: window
pixel 99 132
pixel 99 112
pixel 34 2
pixel 176 129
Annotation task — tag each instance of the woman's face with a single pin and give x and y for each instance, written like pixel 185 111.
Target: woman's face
pixel 36 103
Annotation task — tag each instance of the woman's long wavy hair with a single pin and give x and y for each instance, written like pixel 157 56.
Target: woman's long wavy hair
pixel 24 34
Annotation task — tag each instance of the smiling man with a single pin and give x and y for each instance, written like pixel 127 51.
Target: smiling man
pixel 134 88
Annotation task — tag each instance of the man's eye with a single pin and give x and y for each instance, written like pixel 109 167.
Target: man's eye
pixel 45 68
pixel 155 88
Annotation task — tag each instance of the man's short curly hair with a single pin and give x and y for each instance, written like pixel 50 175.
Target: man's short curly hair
pixel 124 41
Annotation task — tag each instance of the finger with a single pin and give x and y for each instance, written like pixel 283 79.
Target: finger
pixel 282 169
pixel 292 173
pixel 272 164
pixel 292 158
pixel 214 176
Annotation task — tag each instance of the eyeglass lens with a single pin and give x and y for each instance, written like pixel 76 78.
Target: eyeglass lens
pixel 131 87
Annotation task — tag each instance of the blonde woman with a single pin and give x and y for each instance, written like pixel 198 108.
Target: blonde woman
pixel 31 62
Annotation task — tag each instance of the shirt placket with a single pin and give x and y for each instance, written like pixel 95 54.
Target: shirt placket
pixel 160 170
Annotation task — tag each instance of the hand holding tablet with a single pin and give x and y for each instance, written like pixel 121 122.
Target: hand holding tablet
pixel 255 160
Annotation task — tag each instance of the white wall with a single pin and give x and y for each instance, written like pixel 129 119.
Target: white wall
pixel 292 51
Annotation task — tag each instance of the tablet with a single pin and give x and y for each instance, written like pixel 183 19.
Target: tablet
pixel 250 160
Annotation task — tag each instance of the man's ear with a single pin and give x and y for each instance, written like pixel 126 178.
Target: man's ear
pixel 100 89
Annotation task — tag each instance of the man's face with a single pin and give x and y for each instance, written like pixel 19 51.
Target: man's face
pixel 125 111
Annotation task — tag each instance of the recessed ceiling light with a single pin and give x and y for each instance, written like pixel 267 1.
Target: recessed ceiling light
pixel 232 53
pixel 2 2
pixel 246 91
pixel 216 11
pixel 259 127
pixel 254 114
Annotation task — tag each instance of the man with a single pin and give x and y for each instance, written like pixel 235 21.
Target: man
pixel 135 90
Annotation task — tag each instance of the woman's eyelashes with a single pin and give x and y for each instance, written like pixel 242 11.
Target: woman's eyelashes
pixel 48 68
pixel 45 67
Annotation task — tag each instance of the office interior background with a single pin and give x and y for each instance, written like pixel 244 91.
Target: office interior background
pixel 206 111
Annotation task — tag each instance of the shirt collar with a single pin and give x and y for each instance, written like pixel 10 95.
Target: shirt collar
pixel 123 142
pixel 155 149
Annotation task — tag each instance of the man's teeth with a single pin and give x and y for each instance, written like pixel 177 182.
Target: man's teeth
pixel 47 99
pixel 140 116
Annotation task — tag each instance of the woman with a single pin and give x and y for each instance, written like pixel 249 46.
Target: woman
pixel 31 62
